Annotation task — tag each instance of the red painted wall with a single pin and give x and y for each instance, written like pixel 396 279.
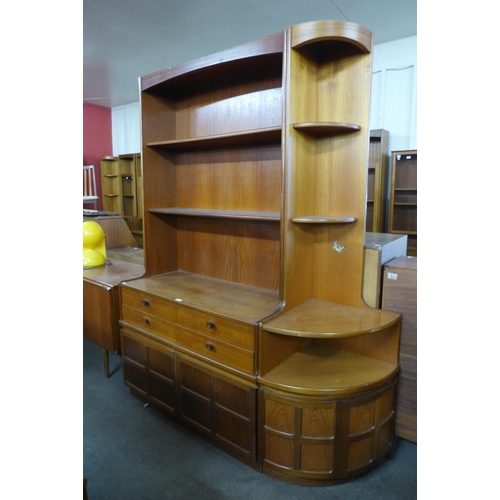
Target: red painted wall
pixel 97 140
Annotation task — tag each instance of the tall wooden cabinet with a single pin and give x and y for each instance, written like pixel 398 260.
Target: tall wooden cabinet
pixel 249 322
pixel 378 160
pixel 403 197
pixel 121 187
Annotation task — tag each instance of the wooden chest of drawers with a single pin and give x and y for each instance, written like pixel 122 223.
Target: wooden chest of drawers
pixel 192 363
pixel 160 307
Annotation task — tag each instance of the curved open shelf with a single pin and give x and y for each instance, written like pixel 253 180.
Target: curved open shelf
pixel 323 219
pixel 318 370
pixel 326 128
pixel 247 137
pixel 322 319
pixel 225 214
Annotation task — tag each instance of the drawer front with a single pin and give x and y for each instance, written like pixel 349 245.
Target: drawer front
pixel 217 328
pixel 149 304
pixel 216 350
pixel 149 322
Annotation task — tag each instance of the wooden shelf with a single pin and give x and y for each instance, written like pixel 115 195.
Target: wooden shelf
pixel 317 370
pixel 224 214
pixel 258 136
pixel 321 319
pixel 326 128
pixel 323 219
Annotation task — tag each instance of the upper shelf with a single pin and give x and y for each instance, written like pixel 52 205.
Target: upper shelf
pixel 326 128
pixel 247 137
pixel 322 319
pixel 225 214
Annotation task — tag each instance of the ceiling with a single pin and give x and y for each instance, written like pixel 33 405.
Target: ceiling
pixel 126 39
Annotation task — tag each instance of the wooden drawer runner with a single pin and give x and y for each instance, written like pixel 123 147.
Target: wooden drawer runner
pixel 149 322
pixel 217 350
pixel 149 304
pixel 217 328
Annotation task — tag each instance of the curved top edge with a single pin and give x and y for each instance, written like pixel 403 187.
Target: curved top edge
pixel 318 31
pixel 271 44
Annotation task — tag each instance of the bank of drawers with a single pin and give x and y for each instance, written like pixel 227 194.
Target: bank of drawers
pixel 218 339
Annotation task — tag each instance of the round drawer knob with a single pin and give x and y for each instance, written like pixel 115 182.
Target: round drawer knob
pixel 210 346
pixel 145 321
pixel 145 302
pixel 211 325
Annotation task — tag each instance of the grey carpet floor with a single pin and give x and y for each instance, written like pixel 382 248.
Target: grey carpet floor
pixel 132 452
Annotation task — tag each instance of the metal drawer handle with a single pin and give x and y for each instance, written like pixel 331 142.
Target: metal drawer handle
pixel 211 325
pixel 145 302
pixel 210 346
pixel 145 321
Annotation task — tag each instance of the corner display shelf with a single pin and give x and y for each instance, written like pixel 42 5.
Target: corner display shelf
pixel 403 197
pixel 248 324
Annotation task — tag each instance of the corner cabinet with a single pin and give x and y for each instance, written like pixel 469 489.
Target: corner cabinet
pixel 248 323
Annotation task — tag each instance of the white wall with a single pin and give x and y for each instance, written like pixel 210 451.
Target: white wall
pixel 394 92
pixel 126 125
pixel 393 107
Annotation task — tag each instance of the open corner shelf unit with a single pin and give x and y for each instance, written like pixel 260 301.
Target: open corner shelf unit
pixel 248 323
pixel 403 197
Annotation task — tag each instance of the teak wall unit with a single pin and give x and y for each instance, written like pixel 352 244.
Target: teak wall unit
pixel 377 181
pixel 249 323
pixel 403 197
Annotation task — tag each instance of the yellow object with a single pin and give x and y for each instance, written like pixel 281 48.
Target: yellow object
pixel 94 245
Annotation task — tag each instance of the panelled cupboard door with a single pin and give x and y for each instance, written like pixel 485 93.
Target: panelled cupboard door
pixel 148 370
pixel 323 440
pixel 219 406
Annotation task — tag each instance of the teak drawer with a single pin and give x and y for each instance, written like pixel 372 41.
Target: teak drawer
pixel 217 328
pixel 149 304
pixel 149 322
pixel 216 350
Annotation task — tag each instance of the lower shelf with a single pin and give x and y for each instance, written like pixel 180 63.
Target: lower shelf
pixel 318 370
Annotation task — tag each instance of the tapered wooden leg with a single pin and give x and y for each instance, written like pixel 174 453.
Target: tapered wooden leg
pixel 105 358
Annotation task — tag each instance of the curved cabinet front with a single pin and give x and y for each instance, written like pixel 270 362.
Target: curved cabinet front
pixel 320 440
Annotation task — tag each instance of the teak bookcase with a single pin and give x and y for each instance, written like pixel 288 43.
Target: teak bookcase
pixel 121 186
pixel 403 197
pixel 377 181
pixel 248 324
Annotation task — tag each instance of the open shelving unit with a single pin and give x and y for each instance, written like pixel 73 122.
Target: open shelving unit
pixel 377 181
pixel 254 184
pixel 121 187
pixel 403 197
